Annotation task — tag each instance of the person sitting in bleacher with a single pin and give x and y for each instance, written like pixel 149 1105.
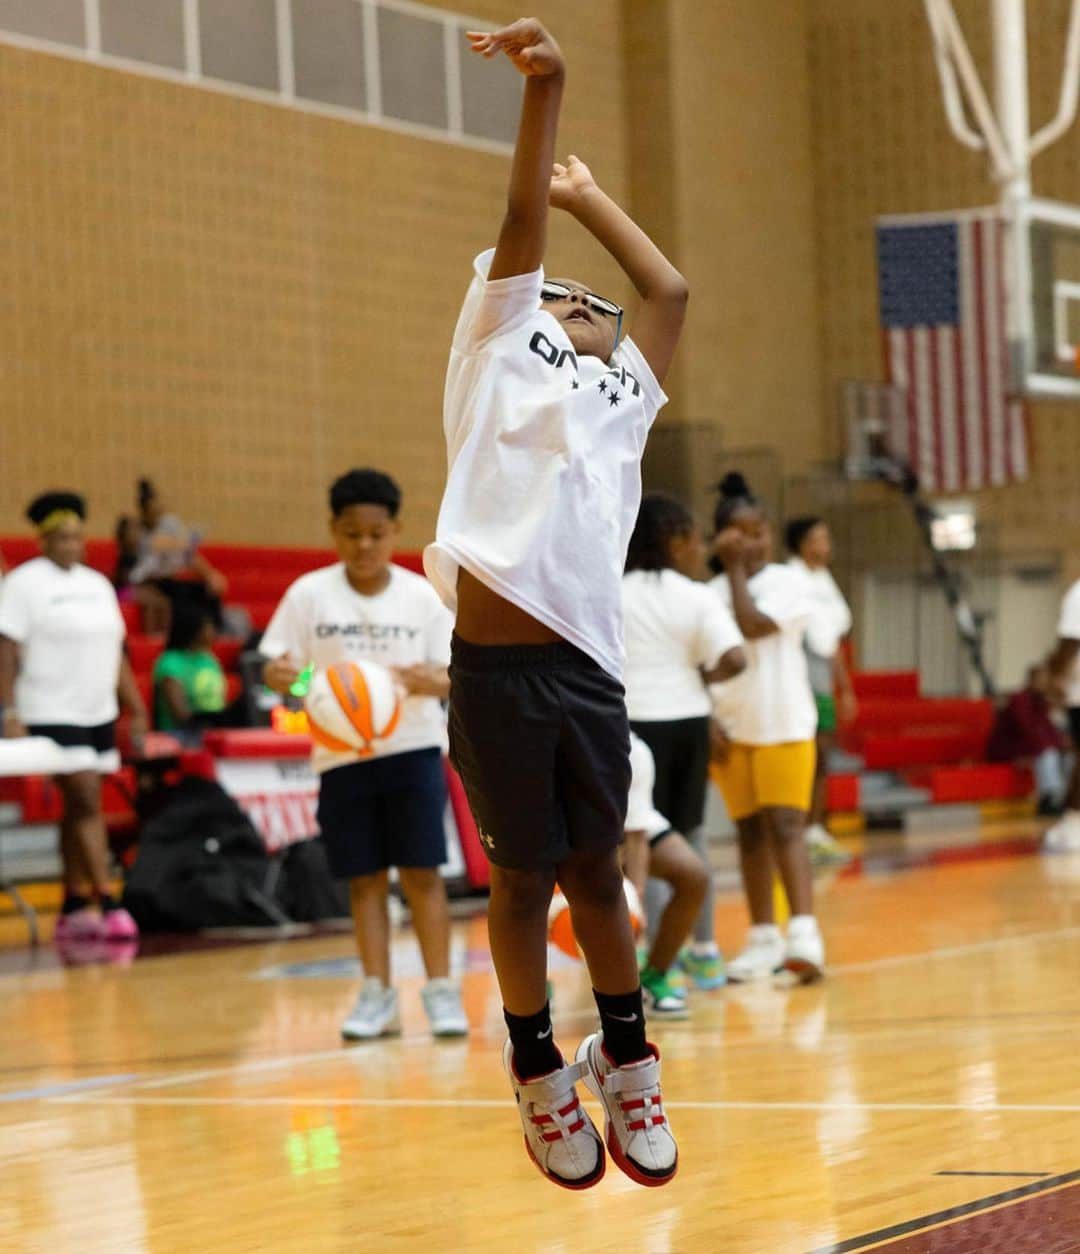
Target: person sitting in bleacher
pixel 1024 731
pixel 153 603
pixel 189 682
pixel 63 676
pixel 169 559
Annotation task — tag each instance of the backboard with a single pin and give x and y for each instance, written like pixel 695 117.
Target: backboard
pixel 1044 323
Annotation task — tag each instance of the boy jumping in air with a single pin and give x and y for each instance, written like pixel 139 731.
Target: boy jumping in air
pixel 546 416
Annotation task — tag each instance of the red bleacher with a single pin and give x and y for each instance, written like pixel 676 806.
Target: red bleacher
pixel 938 743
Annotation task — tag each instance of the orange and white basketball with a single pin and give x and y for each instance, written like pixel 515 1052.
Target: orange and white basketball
pixel 561 928
pixel 351 705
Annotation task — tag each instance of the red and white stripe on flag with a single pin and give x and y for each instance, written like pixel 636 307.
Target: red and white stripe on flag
pixel 963 430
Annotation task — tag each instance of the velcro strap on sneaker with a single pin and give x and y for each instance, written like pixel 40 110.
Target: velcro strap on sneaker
pixel 554 1089
pixel 636 1079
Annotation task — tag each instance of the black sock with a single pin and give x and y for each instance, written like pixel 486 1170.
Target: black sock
pixel 534 1044
pixel 622 1019
pixel 107 902
pixel 73 902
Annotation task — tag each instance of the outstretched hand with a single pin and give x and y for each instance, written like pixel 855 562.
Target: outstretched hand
pixel 569 182
pixel 530 47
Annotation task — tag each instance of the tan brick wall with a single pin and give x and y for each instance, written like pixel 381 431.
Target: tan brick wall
pixel 242 300
pixel 741 162
pixel 881 145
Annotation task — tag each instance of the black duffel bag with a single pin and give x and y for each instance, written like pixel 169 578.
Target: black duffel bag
pixel 200 864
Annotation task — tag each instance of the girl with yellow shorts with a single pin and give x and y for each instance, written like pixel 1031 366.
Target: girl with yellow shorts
pixel 763 748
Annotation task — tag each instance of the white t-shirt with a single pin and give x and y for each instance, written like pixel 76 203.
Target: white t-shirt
pixel 323 619
pixel 830 620
pixel 771 703
pixel 70 633
pixel 544 451
pixel 1069 629
pixel 674 627
pixel 641 814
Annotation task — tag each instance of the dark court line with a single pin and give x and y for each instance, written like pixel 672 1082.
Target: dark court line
pixel 943 1216
pixel 1031 1175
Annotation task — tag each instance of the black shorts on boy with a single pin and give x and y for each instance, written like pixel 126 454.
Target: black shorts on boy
pixel 384 812
pixel 540 738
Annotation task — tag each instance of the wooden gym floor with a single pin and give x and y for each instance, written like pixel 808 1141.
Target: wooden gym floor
pixel 926 1098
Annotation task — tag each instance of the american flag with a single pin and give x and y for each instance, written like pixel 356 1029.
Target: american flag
pixel 942 289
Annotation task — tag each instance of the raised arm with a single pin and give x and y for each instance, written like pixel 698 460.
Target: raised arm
pixel 535 54
pixel 730 547
pixel 663 290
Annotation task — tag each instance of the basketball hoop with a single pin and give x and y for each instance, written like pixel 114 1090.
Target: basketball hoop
pixel 1042 243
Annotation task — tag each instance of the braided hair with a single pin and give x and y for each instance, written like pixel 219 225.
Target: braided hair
pixel 735 496
pixel 661 519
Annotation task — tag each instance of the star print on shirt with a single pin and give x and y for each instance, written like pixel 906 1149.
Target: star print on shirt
pixel 613 399
pixel 574 386
pixel 603 386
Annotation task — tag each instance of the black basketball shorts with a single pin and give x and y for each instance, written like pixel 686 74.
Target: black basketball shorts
pixel 540 738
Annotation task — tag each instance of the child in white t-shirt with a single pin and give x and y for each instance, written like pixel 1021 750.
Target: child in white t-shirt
pixel 386 810
pixel 680 637
pixel 765 769
pixel 810 545
pixel 546 415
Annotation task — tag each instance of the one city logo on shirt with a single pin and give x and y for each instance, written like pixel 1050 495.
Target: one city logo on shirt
pixel 366 631
pixel 556 357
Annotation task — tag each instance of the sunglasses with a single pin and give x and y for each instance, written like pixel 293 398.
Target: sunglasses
pixel 559 291
pixel 598 304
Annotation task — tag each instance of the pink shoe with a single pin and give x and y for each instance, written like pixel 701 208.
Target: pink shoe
pixel 83 952
pixel 85 924
pixel 120 926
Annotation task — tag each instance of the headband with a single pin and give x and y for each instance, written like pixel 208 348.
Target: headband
pixel 57 519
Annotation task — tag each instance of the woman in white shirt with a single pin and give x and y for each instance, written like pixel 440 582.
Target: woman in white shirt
pixel 679 638
pixel 63 674
pixel 766 766
pixel 810 545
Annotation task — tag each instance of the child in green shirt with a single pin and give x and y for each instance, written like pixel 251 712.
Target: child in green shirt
pixel 189 683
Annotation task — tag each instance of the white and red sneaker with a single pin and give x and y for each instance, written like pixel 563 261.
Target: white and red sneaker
pixel 559 1135
pixel 636 1130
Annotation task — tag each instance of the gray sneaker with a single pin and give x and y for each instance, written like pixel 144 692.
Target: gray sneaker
pixel 375 1013
pixel 442 1004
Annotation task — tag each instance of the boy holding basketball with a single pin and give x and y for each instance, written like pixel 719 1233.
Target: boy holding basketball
pixel 546 416
pixel 385 810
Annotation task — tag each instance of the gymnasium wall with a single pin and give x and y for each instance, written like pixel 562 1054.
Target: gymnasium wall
pixel 881 145
pixel 721 170
pixel 240 299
